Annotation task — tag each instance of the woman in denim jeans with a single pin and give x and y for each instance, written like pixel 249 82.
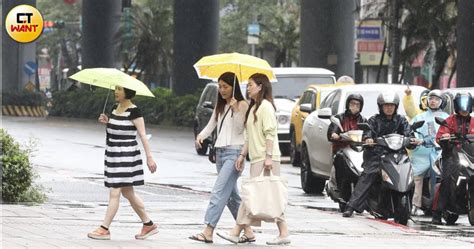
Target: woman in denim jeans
pixel 230 112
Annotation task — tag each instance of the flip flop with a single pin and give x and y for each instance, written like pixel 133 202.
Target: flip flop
pixel 205 240
pixel 245 239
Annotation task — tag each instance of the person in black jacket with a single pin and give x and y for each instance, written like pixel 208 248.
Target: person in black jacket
pixel 349 120
pixel 386 122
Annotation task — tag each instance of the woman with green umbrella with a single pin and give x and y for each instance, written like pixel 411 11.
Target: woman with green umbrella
pixel 123 162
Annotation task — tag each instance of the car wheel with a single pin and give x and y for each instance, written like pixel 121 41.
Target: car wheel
pixel 284 149
pixel 295 156
pixel 309 183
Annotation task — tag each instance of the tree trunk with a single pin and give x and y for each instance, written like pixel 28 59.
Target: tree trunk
pixel 395 39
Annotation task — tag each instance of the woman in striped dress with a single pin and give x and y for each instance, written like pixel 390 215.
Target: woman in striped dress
pixel 123 162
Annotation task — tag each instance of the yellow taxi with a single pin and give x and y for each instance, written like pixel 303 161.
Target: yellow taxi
pixel 308 102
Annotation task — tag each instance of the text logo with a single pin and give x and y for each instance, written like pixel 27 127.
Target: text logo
pixel 24 23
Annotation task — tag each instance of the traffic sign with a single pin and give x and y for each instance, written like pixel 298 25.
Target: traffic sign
pixel 253 29
pixel 30 68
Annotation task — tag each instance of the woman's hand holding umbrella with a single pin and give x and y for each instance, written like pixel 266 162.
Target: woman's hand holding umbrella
pixel 103 119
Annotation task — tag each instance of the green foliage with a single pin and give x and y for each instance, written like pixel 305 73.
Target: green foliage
pixel 147 44
pixel 165 108
pixel 279 27
pixel 23 98
pixel 18 175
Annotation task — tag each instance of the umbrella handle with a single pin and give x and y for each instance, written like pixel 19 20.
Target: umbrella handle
pixel 106 99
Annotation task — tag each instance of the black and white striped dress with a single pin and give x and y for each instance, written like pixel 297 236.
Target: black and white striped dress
pixel 123 161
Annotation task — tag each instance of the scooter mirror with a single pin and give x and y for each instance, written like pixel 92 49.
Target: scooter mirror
pixel 440 121
pixel 337 122
pixel 417 125
pixel 363 126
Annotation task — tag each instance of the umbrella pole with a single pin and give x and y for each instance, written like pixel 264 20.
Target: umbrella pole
pixel 106 99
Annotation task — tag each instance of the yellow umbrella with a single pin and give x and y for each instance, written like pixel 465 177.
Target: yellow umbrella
pixel 109 78
pixel 242 65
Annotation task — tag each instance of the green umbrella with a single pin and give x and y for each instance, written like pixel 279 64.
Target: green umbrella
pixel 109 78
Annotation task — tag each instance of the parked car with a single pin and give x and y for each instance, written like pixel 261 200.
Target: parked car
pixel 311 97
pixel 316 152
pixel 451 93
pixel 291 82
pixel 204 110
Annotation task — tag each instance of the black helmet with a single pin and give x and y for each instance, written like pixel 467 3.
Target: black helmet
pixel 463 102
pixel 388 98
pixel 424 97
pixel 357 97
pixel 436 93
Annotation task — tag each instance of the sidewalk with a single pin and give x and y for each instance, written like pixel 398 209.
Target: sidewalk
pixel 77 205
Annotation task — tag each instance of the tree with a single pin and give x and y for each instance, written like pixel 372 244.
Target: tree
pixel 66 34
pixel 146 47
pixel 279 27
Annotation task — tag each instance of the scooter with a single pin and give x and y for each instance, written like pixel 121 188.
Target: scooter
pixel 390 197
pixel 461 159
pixel 352 158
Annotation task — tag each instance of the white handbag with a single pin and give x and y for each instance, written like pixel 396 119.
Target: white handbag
pixel 265 197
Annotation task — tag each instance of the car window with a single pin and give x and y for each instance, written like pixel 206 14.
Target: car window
pixel 204 95
pixel 327 101
pixel 306 97
pixel 335 102
pixel 213 95
pixel 292 86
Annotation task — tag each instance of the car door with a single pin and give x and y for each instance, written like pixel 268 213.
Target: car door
pixel 322 150
pixel 300 116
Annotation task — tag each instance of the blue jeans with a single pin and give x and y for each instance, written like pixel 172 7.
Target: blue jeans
pixel 225 192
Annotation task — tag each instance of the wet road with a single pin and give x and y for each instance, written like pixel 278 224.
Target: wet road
pixel 69 158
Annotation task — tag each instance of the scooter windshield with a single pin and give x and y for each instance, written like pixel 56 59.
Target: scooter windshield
pixel 394 141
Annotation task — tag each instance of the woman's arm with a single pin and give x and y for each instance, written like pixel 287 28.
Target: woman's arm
pixel 140 125
pixel 239 163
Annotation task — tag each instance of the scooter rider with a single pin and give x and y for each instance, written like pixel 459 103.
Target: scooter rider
pixel 349 120
pixel 423 157
pixel 386 122
pixel 460 124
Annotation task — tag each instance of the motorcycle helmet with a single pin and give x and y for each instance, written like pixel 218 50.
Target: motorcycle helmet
pixel 357 97
pixel 388 98
pixel 424 100
pixel 463 102
pixel 436 93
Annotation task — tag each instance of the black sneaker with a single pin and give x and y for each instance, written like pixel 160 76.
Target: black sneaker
pixel 436 218
pixel 348 213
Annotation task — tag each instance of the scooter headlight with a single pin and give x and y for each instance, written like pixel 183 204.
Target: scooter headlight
pixel 385 177
pixel 394 142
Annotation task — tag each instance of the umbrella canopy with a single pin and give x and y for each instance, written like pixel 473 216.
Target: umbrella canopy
pixel 111 77
pixel 242 65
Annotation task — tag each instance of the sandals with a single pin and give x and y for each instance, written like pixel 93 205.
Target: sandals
pixel 246 239
pixel 201 235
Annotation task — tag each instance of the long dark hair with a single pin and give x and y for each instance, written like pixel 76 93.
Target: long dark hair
pixel 228 78
pixel 266 93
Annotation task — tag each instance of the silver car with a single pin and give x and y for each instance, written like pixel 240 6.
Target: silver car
pixel 316 152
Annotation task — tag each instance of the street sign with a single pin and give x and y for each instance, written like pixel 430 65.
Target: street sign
pixel 253 29
pixel 30 68
pixel 252 40
pixel 369 46
pixel 30 86
pixel 369 33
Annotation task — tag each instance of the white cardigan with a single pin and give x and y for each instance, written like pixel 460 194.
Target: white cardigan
pixel 232 132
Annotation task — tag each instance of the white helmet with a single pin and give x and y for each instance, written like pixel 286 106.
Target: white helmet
pixel 436 93
pixel 388 98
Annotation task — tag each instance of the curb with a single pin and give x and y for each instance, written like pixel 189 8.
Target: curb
pixel 24 111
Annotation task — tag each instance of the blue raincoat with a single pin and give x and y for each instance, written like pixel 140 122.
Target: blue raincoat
pixel 424 156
